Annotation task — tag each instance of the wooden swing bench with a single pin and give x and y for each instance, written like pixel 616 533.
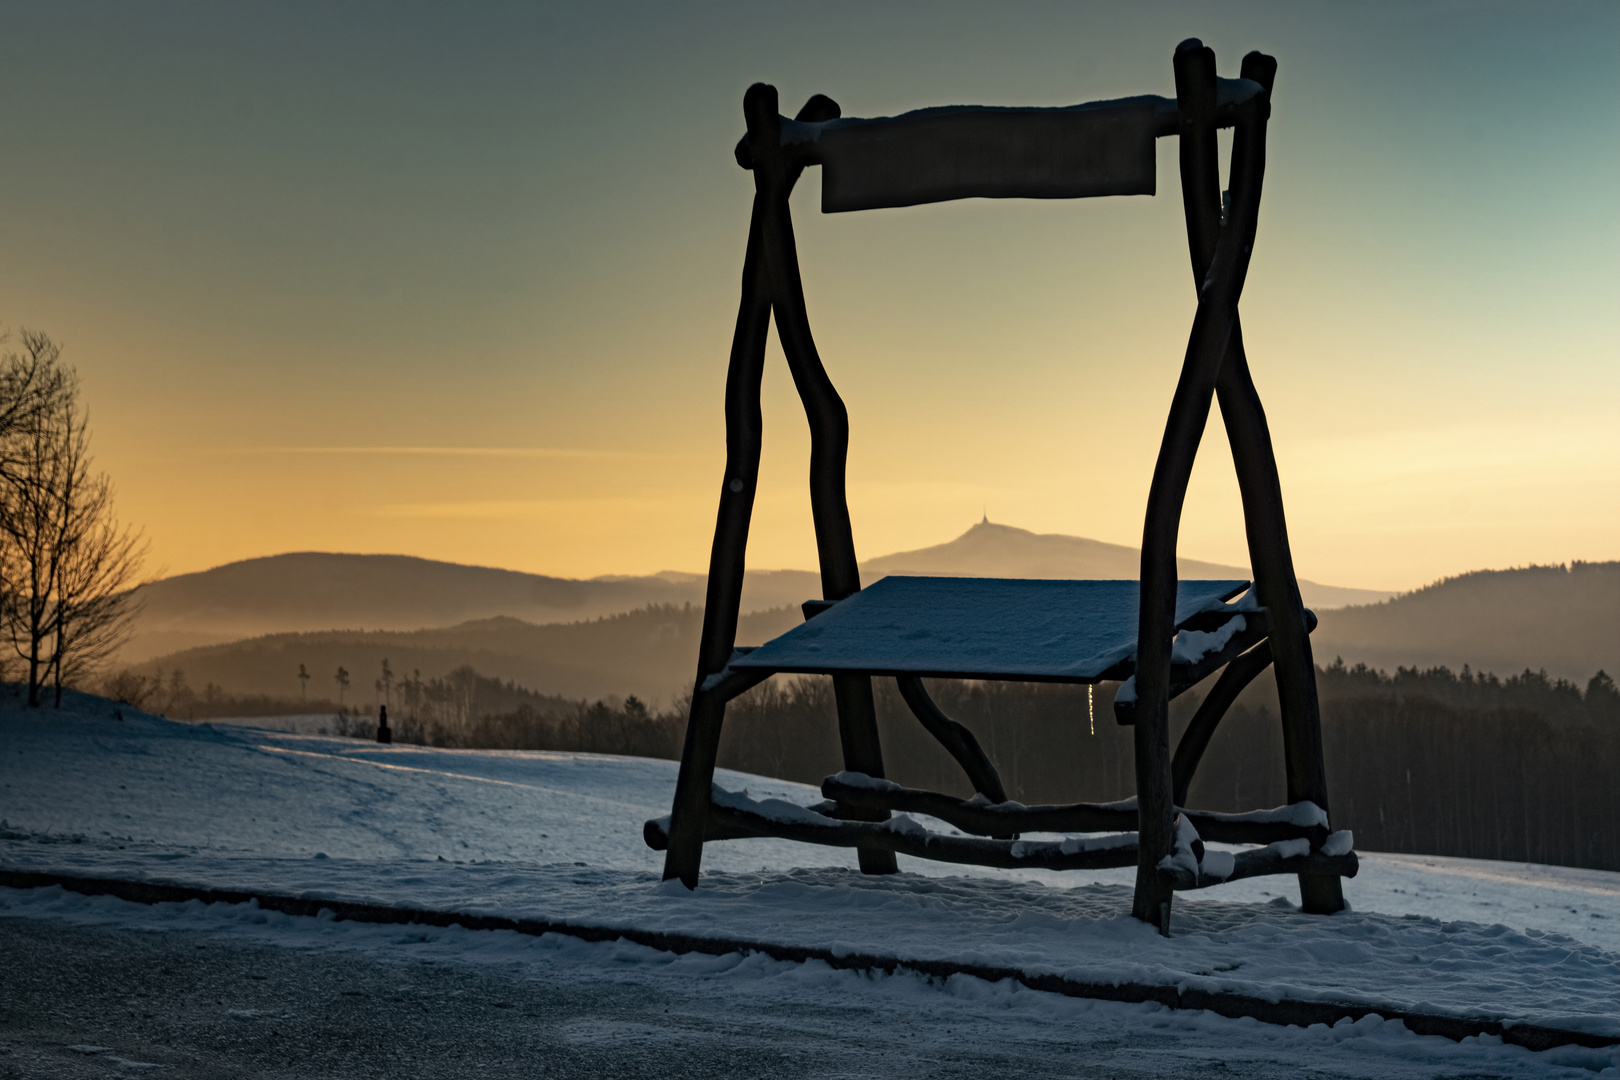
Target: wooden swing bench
pixel 1159 637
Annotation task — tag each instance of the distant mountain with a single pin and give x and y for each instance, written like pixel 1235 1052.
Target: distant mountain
pixel 991 550
pixel 306 591
pixel 1563 619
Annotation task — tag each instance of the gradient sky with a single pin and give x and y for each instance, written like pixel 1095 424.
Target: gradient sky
pixel 459 280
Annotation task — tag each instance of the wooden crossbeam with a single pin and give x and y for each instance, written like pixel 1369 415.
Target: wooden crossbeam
pixel 903 836
pixel 983 818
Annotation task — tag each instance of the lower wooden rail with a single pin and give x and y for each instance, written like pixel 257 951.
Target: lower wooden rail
pixel 732 816
pixel 1301 821
pixel 904 836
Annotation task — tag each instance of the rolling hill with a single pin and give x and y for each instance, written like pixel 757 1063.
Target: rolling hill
pixel 316 591
pixel 247 626
pixel 312 591
pixel 650 652
pixel 1563 619
pixel 1566 620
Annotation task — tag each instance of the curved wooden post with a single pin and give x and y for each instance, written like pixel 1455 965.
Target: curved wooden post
pixel 723 598
pixel 1201 728
pixel 1195 740
pixel 829 430
pixel 957 740
pixel 1293 663
pixel 1261 490
pixel 770 270
pixel 1189 412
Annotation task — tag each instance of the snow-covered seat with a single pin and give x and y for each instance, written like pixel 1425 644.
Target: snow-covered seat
pixel 1158 635
pixel 999 628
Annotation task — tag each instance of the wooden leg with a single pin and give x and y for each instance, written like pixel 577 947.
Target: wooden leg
pixel 1189 411
pixel 1321 894
pixel 858 733
pixel 1251 450
pixel 690 813
pixel 829 423
pixel 1155 817
pixel 1274 580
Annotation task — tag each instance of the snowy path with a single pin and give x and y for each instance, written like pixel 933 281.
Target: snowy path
pixel 557 836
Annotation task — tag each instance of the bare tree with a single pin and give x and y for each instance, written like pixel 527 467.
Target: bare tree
pixel 303 684
pixel 342 678
pixel 31 513
pixel 33 384
pixel 96 609
pixel 67 567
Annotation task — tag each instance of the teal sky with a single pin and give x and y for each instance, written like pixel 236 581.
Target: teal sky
pixel 458 280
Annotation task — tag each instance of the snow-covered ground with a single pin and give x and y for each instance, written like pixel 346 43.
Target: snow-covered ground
pixel 558 837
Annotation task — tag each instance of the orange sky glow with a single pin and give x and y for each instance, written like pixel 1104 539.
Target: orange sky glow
pixel 459 283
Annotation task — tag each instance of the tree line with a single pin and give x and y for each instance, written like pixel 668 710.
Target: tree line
pixel 67 565
pixel 1441 763
pixel 1422 761
pixel 459 709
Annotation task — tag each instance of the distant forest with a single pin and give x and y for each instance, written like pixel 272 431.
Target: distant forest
pixel 1426 762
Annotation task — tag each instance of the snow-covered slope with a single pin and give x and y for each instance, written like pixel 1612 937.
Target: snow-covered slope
pixel 557 836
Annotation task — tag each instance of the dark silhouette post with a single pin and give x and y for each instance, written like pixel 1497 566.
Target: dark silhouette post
pixel 829 423
pixel 384 734
pixel 1265 523
pixel 771 284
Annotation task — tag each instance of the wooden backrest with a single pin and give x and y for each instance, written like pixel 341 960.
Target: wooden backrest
pixel 973 152
pixel 979 151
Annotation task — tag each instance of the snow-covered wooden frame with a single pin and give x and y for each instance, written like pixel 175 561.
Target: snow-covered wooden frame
pixel 937 154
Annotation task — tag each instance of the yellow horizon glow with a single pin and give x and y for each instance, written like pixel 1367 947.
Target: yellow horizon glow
pixel 478 309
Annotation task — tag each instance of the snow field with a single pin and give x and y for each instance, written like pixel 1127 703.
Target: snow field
pixel 557 836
